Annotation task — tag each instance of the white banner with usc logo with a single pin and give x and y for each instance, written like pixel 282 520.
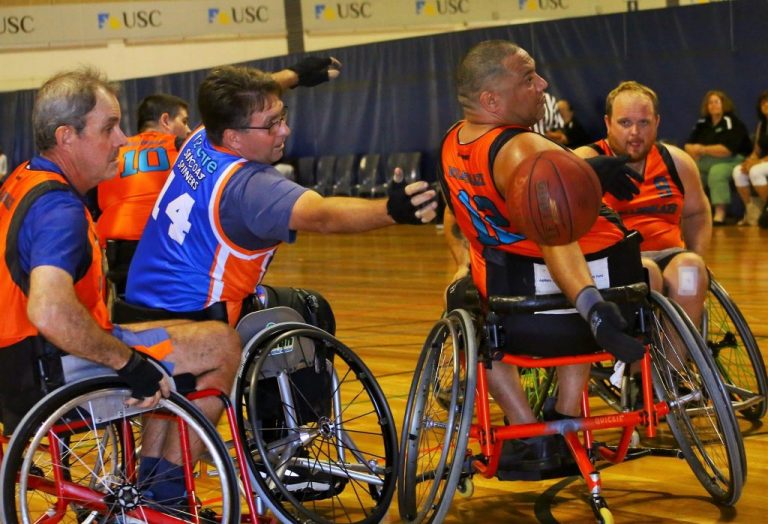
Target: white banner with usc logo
pixel 95 23
pixel 356 15
pixel 86 24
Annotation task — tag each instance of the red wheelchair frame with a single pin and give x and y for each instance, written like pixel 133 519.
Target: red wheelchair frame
pixel 680 385
pixel 104 483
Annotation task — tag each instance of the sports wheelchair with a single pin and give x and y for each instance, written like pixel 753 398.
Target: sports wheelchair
pixel 679 385
pixel 732 345
pixel 77 456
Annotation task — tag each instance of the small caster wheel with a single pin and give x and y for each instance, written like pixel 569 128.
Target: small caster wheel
pixel 606 517
pixel 466 488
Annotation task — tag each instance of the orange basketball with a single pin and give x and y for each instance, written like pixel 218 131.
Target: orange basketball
pixel 554 197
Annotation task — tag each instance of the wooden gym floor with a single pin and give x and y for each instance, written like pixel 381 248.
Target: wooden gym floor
pixel 386 290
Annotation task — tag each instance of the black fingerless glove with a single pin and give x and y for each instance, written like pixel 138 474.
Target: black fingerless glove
pixel 607 326
pixel 141 376
pixel 312 70
pixel 399 205
pixel 616 177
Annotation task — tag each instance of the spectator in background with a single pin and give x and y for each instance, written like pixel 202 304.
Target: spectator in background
pixel 718 143
pixel 3 165
pixel 572 134
pixel 552 119
pixel 754 169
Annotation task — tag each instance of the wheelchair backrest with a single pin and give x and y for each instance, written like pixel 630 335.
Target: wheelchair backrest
pixel 261 328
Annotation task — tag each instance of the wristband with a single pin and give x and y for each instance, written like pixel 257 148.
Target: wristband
pixel 586 299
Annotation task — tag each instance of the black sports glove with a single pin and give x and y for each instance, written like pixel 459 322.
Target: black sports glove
pixel 141 376
pixel 616 176
pixel 312 70
pixel 399 205
pixel 607 326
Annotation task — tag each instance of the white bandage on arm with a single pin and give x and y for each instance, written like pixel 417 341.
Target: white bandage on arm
pixel 687 281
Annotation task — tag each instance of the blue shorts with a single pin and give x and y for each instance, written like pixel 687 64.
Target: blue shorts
pixel 155 342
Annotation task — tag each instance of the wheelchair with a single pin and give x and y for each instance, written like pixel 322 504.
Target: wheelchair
pixel 76 456
pixel 679 385
pixel 736 353
pixel 732 344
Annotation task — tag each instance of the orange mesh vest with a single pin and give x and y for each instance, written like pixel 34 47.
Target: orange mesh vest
pixel 655 212
pixel 126 201
pixel 17 194
pixel 466 175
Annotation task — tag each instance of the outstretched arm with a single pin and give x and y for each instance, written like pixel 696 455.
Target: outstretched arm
pixel 308 72
pixel 413 203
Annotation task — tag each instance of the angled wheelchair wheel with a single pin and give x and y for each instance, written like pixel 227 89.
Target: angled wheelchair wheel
pixel 433 445
pixel 736 353
pixel 322 439
pixel 701 417
pixel 76 458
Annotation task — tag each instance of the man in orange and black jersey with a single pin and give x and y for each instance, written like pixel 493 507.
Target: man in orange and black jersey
pixel 502 96
pixel 671 212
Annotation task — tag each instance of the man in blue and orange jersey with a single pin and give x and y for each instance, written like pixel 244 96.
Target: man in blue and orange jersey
pixel 51 275
pixel 126 201
pixel 502 96
pixel 225 210
pixel 672 211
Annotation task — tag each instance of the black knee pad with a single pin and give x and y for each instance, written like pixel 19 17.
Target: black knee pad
pixel 310 304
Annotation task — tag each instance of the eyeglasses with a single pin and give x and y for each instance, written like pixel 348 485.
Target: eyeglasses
pixel 273 126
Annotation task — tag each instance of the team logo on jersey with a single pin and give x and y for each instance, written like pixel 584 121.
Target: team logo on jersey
pixel 441 7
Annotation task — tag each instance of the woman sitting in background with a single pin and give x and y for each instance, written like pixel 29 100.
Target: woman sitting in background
pixel 754 169
pixel 718 143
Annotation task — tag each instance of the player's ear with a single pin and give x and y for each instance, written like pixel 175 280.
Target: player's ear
pixel 488 101
pixel 165 120
pixel 64 134
pixel 230 139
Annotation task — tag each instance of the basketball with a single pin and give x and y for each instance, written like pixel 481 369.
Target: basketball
pixel 554 197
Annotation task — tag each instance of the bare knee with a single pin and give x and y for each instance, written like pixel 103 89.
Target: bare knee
pixel 209 350
pixel 655 279
pixel 686 276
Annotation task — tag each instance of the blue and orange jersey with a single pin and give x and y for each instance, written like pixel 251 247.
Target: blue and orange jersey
pixel 126 201
pixel 184 272
pixel 22 188
pixel 657 210
pixel 466 175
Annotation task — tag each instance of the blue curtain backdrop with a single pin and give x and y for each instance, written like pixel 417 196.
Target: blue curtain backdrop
pixel 399 95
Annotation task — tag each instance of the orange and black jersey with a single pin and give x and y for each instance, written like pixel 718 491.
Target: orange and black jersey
pixel 656 212
pixel 466 176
